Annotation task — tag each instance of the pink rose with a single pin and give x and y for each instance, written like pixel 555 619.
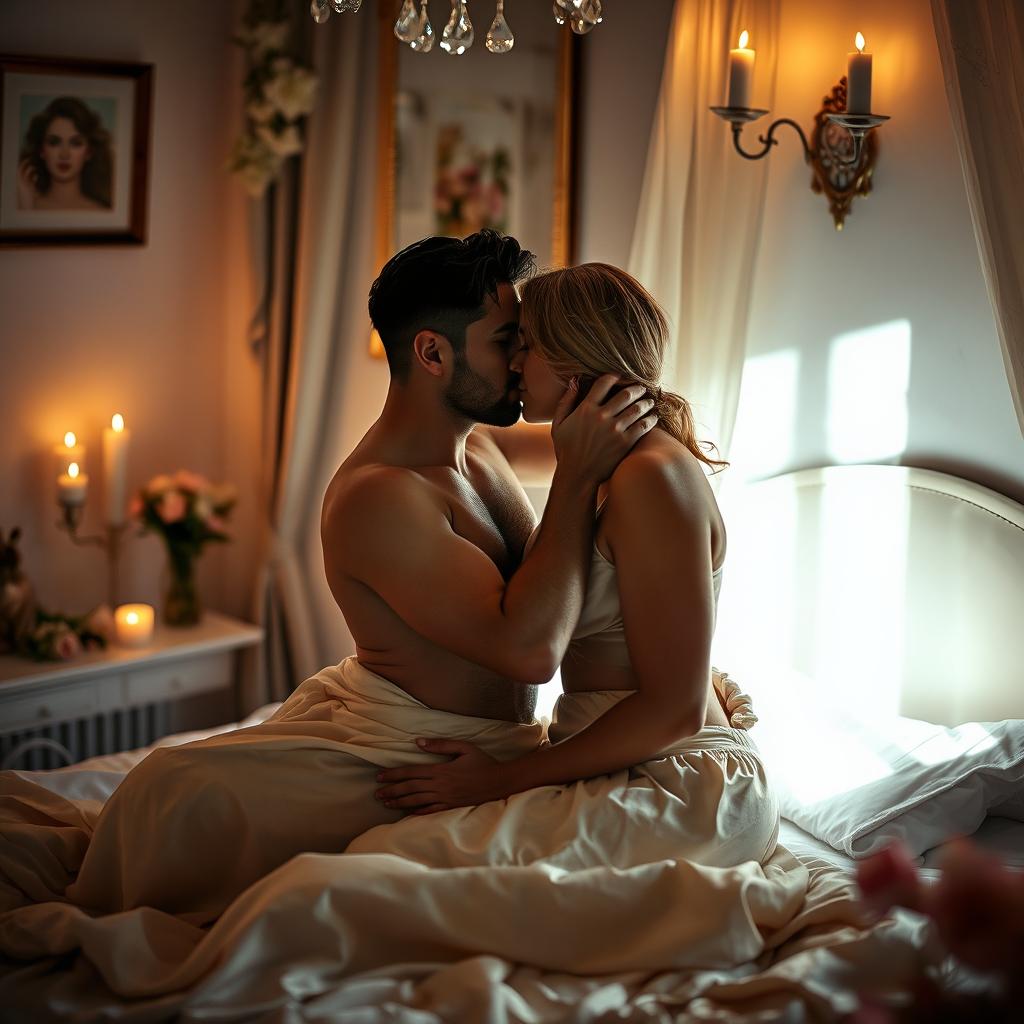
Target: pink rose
pixel 172 507
pixel 159 484
pixel 191 481
pixel 68 645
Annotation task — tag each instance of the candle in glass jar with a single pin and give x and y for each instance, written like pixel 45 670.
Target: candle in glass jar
pixel 741 73
pixel 115 468
pixel 858 80
pixel 133 624
pixel 68 452
pixel 72 486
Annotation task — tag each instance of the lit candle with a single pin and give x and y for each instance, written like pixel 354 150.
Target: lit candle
pixel 858 80
pixel 133 624
pixel 68 452
pixel 71 486
pixel 741 73
pixel 115 468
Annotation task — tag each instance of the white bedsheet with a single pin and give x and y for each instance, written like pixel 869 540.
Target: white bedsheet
pixel 361 938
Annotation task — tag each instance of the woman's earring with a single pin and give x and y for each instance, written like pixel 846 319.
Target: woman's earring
pixel 574 383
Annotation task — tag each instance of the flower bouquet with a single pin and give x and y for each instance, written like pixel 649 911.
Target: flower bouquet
pixel 280 92
pixel 188 512
pixel 59 637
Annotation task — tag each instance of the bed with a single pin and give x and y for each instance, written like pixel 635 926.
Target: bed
pixel 930 745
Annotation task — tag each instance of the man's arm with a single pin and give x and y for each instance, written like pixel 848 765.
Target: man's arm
pixel 529 449
pixel 391 532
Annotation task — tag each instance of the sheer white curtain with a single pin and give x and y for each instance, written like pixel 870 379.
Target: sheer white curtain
pixel 981 45
pixel 312 251
pixel 702 206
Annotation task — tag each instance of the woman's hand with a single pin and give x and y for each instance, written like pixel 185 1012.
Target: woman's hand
pixel 26 185
pixel 470 778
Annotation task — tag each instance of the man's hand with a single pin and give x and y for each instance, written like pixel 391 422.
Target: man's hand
pixel 592 439
pixel 470 778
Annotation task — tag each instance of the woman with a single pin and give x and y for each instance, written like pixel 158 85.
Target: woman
pixel 66 161
pixel 640 697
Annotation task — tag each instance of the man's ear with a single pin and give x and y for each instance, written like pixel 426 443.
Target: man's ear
pixel 432 351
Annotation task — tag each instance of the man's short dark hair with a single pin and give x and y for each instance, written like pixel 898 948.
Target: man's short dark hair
pixel 439 284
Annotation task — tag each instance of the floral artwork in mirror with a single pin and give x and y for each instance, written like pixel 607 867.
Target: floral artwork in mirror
pixel 478 140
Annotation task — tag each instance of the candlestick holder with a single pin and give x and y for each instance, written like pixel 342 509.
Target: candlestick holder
pixel 842 149
pixel 109 541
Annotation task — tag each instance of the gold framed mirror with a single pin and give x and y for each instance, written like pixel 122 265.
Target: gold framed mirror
pixel 478 140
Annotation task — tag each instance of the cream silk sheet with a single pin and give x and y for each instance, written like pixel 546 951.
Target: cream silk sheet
pixel 586 902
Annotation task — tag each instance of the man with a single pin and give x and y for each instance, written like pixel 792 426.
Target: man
pixel 424 524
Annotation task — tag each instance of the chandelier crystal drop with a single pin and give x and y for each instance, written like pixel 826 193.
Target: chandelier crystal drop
pixel 424 41
pixel 413 23
pixel 458 35
pixel 499 35
pixel 407 27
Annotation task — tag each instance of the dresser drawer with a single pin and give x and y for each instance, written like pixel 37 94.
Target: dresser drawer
pixel 178 679
pixel 57 705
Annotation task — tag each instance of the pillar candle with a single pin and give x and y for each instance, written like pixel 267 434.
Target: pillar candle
pixel 858 80
pixel 741 73
pixel 133 624
pixel 115 468
pixel 72 485
pixel 68 452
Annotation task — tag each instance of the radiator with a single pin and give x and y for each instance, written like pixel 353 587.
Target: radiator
pixel 61 743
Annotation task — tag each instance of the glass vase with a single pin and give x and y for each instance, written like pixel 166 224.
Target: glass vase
pixel 181 595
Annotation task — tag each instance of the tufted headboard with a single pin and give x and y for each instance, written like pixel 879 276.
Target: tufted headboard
pixel 885 587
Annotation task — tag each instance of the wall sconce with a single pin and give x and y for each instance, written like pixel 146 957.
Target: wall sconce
pixel 842 150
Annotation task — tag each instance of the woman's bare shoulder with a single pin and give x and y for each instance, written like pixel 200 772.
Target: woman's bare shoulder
pixel 658 461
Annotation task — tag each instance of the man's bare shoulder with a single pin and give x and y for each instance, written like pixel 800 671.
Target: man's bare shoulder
pixel 377 493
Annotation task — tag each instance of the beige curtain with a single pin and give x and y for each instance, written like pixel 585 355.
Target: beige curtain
pixel 981 45
pixel 308 242
pixel 702 205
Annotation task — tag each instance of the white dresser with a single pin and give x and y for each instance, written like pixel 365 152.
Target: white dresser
pixel 121 698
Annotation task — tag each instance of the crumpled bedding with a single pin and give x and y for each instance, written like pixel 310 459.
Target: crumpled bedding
pixel 626 928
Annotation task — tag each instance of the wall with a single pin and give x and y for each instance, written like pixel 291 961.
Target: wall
pixel 876 344
pixel 155 332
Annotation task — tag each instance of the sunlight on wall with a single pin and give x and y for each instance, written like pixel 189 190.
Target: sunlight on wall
pixel 766 417
pixel 868 376
pixel 860 595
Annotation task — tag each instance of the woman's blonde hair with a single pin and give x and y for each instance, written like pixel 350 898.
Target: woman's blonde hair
pixel 595 319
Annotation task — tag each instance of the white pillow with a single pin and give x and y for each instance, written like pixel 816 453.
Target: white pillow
pixel 857 783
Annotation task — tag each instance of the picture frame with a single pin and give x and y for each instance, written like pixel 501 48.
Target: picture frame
pixel 74 151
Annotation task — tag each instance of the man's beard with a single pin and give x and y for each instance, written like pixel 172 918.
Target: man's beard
pixel 473 397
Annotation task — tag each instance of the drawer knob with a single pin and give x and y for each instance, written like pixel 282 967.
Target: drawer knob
pixel 44 712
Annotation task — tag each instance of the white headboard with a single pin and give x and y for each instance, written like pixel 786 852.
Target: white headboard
pixel 887 587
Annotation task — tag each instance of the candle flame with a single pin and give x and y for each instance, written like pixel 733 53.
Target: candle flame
pixel 860 43
pixel 744 39
pixel 70 439
pixel 132 618
pixel 117 422
pixel 73 470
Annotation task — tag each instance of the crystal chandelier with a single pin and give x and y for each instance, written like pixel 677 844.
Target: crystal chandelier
pixel 413 25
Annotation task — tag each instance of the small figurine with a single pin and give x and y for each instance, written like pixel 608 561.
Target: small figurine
pixel 17 599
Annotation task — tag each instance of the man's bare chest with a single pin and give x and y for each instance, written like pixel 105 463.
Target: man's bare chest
pixel 490 510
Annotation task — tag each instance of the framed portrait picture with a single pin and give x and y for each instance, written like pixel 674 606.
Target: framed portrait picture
pixel 74 151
